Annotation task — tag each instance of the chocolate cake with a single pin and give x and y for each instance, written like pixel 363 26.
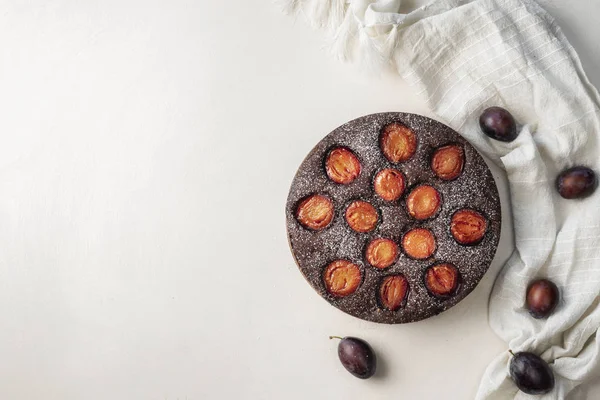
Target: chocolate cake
pixel 393 218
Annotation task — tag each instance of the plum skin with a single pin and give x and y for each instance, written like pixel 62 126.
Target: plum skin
pixel 576 182
pixel 541 298
pixel 531 374
pixel 499 124
pixel 357 356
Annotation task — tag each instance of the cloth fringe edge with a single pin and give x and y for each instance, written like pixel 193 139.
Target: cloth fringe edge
pixel 348 39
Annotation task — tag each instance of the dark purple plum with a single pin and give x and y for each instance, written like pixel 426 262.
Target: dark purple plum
pixel 531 374
pixel 498 124
pixel 357 356
pixel 576 183
pixel 542 298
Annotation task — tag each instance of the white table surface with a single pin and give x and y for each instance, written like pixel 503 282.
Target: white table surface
pixel 148 148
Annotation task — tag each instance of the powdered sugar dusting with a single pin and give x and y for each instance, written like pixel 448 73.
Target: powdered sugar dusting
pixel 474 188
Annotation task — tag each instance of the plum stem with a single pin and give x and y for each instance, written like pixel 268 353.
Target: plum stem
pixel 335 337
pixel 511 352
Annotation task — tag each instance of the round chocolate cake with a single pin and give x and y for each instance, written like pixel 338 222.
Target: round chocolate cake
pixel 393 217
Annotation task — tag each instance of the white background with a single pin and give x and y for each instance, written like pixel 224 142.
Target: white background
pixel 147 152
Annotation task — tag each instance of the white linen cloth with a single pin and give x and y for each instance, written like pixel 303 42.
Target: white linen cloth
pixel 465 56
